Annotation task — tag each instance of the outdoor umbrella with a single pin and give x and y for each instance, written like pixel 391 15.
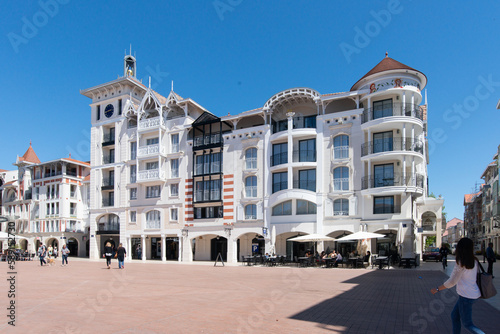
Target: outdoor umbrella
pixel 312 238
pixel 361 235
pixel 5 236
pixel 401 238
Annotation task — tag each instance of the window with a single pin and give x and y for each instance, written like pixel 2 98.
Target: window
pixel 341 207
pixel 174 168
pixel 280 154
pixel 72 209
pixel 251 186
pixel 208 190
pixel 174 189
pixel 307 150
pixel 47 213
pixel 382 108
pixel 208 212
pixel 215 165
pixel 133 193
pixel 341 147
pixel 153 192
pixel 119 106
pixel 251 158
pixel 152 141
pixel 72 190
pixel 383 175
pixel 251 211
pixel 306 207
pixel 133 173
pixel 382 142
pixel 37 193
pixel 280 181
pixel 153 219
pixel 133 216
pixel 280 125
pixel 283 209
pixel 341 178
pixel 174 214
pixel 383 204
pixel 152 165
pixel 198 168
pixel 133 150
pixel 57 209
pixel 98 113
pixel 174 141
pixel 307 179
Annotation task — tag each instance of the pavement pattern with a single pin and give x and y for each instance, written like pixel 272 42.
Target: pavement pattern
pixel 155 297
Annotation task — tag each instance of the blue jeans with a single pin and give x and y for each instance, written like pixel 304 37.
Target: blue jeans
pixel 120 264
pixel 462 312
pixel 65 258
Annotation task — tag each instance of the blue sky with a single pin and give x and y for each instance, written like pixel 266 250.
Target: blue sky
pixel 232 55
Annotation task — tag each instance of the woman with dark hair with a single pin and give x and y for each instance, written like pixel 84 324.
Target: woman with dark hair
pixel 464 277
pixel 108 253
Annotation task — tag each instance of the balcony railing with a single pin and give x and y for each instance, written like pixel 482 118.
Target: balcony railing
pixel 341 152
pixel 108 183
pixel 150 123
pixel 251 163
pixel 107 227
pixel 305 184
pixel 150 174
pixel 153 224
pixel 279 159
pixel 395 180
pixel 108 202
pixel 108 139
pixel 277 186
pixel 304 156
pixel 341 184
pixel 147 150
pixel 391 144
pixel 250 191
pixel 108 159
pixel 397 109
pixel 341 213
pixel 207 140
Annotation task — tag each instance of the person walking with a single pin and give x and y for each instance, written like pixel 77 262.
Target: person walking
pixel 108 253
pixel 121 252
pixel 139 252
pixel 444 255
pixel 55 252
pixel 41 254
pixel 464 277
pixel 64 254
pixel 490 256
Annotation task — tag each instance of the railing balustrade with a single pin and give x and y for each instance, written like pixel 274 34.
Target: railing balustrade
pixel 148 150
pixel 305 184
pixel 149 174
pixel 279 159
pixel 391 144
pixel 304 156
pixel 341 152
pixel 395 180
pixel 397 109
pixel 150 123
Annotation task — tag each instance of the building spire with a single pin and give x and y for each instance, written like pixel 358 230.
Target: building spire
pixel 386 54
pixel 172 85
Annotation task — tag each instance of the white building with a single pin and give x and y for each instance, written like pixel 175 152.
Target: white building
pixel 50 202
pixel 188 185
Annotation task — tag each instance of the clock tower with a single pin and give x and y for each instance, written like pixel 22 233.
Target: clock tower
pixel 129 65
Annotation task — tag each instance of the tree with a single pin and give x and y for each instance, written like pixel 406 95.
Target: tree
pixel 430 241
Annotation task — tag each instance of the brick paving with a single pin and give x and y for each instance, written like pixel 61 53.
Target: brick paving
pixel 155 297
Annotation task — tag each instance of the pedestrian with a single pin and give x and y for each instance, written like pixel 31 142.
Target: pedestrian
pixel 464 277
pixel 50 249
pixel 108 253
pixel 64 253
pixel 121 256
pixel 490 256
pixel 41 254
pixel 139 251
pixel 55 252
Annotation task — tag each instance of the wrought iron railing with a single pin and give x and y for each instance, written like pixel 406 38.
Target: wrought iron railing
pixel 279 159
pixel 304 156
pixel 397 179
pixel 391 144
pixel 396 109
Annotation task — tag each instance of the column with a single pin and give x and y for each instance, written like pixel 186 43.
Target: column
pixel 404 171
pixel 143 246
pixel 403 139
pixel 181 244
pixel 290 149
pixel 129 249
pixel 231 250
pixel 163 248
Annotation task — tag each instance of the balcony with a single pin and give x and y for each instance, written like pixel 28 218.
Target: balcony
pixel 108 228
pixel 150 124
pixel 398 109
pixel 341 152
pixel 150 175
pixel 150 150
pixel 207 140
pixel 305 185
pixel 279 159
pixel 250 191
pixel 299 122
pixel 108 139
pixel 108 159
pixel 341 184
pixel 392 144
pixel 106 202
pixel 395 180
pixel 304 156
pixel 108 183
pixel 207 195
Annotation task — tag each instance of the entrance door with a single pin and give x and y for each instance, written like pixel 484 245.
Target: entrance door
pixel 218 245
pixel 72 245
pixel 155 248
pixel 172 248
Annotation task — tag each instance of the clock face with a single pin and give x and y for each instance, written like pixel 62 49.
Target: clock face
pixel 108 112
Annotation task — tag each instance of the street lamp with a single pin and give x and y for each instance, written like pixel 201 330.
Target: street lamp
pixel 185 232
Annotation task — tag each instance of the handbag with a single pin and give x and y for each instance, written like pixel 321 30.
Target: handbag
pixel 485 283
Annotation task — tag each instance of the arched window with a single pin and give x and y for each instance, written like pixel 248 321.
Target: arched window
pixel 341 147
pixel 153 219
pixel 251 211
pixel 283 209
pixel 251 186
pixel 306 207
pixel 341 178
pixel 341 207
pixel 251 158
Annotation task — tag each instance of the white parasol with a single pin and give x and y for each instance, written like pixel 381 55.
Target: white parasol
pixel 312 238
pixel 361 235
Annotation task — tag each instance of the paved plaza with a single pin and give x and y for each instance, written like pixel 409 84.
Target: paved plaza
pixel 155 297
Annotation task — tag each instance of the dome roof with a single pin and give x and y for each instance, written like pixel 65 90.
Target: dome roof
pixel 387 64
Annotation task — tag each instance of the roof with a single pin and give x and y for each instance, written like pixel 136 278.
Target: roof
pixel 445 233
pixel 469 198
pixel 387 64
pixel 454 222
pixel 30 156
pixel 76 161
pixel 3 170
pixel 9 183
pixel 87 178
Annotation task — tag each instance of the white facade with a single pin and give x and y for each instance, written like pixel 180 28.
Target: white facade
pixel 187 185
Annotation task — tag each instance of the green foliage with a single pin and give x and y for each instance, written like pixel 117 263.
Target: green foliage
pixel 429 241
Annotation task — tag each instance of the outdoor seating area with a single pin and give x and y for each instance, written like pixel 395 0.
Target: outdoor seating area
pixel 20 255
